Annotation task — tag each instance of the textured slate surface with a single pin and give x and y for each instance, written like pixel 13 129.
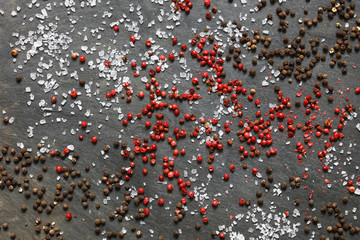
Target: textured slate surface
pixel 13 100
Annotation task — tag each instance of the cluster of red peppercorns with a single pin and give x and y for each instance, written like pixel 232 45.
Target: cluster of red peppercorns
pixel 159 129
pixel 190 95
pixel 110 94
pixel 184 5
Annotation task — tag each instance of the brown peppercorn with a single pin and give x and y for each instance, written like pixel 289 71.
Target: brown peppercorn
pixel 270 178
pixel 18 78
pixel 258 193
pixel 5 225
pixel 82 82
pixel 307 229
pixel 252 72
pixel 197 226
pixel 283 185
pixel 176 233
pixel 345 199
pixel 23 208
pixel 138 233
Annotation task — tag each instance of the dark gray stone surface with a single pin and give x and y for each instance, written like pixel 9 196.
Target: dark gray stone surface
pixel 14 98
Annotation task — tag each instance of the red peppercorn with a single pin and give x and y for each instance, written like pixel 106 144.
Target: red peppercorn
pixel 161 201
pixel 170 187
pixel 215 203
pixel 183 201
pixel 226 177
pixel 191 194
pixel 222 235
pixel 132 38
pixel 208 15
pixel 254 171
pixel 116 28
pixel 81 137
pixel 325 168
pixel 207 3
pixel 141 191
pixel 205 220
pixel 53 99
pixel 148 43
pixel 107 64
pixel 82 59
pixel 84 124
pixel 94 140
pixel 171 57
pixel 73 94
pixel 232 167
pixel 66 151
pixel 357 90
pixel 59 169
pixel 202 210
pixel 68 216
pixel 132 164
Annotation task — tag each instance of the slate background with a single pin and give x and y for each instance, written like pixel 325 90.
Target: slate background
pixel 13 100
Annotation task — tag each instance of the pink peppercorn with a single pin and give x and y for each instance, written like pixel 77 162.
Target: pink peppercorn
pixel 161 201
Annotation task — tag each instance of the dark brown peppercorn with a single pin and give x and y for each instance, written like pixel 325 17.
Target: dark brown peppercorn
pixel 211 38
pixel 252 72
pixel 345 199
pixel 82 82
pixel 258 193
pixel 23 208
pixel 176 233
pixel 197 226
pixel 270 178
